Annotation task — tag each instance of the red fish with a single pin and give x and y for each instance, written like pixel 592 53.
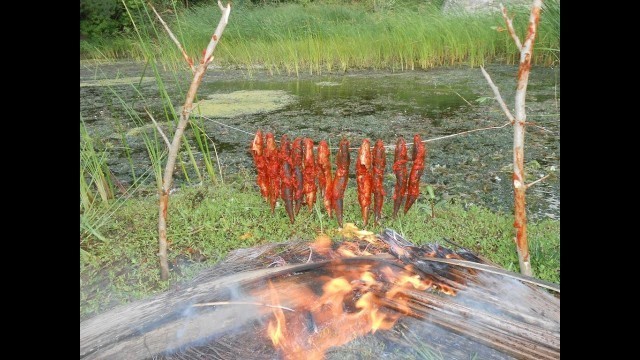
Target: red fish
pixel 287 176
pixel 273 169
pixel 309 174
pixel 418 155
pixel 379 163
pixel 340 179
pixel 296 155
pixel 400 169
pixel 324 175
pixel 364 179
pixel 257 150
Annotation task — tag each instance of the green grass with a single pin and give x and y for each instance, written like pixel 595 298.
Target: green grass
pixel 320 37
pixel 212 220
pixel 95 178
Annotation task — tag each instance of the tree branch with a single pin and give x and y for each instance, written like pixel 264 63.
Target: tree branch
pixel 529 123
pixel 164 137
pixel 167 179
pixel 208 54
pixel 498 96
pixel 461 133
pixel 537 181
pixel 175 40
pixel 512 32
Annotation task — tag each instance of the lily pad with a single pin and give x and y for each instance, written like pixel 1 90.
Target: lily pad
pixel 243 102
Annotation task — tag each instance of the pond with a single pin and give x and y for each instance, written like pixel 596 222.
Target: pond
pixel 473 168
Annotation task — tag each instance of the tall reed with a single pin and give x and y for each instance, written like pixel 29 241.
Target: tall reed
pixel 320 37
pixel 96 183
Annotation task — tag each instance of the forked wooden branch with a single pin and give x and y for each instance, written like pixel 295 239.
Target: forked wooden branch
pixel 537 181
pixel 167 179
pixel 164 137
pixel 224 20
pixel 510 28
pixel 519 122
pixel 526 53
pixel 496 92
pixel 174 38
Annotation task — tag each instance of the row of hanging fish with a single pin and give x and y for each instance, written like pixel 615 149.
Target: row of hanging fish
pixel 295 172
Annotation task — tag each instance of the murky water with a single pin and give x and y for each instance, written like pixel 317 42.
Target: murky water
pixel 472 168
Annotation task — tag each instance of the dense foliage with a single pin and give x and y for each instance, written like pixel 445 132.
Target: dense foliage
pixel 100 18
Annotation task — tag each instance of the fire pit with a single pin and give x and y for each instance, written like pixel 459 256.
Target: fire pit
pixel 369 295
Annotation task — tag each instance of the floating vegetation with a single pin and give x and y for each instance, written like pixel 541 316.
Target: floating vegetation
pixel 242 102
pixel 131 80
pixel 327 83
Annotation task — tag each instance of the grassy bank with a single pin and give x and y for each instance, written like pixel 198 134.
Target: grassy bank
pixel 320 37
pixel 207 222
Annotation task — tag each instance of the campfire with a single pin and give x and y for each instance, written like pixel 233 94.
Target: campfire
pixel 374 294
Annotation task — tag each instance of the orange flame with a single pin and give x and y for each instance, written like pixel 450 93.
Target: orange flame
pixel 377 319
pixel 415 281
pixel 322 245
pixel 368 277
pixel 447 289
pixel 334 293
pixel 276 330
pixel 346 252
pixel 355 300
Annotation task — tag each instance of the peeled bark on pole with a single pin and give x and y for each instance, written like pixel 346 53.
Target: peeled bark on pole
pixel 519 122
pixel 519 187
pixel 177 137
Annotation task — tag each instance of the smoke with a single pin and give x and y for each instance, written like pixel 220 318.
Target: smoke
pixel 203 322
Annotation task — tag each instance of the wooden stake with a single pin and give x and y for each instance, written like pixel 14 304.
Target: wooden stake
pixel 519 122
pixel 167 179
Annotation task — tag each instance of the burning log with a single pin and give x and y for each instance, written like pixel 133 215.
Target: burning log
pixel 515 339
pixel 332 296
